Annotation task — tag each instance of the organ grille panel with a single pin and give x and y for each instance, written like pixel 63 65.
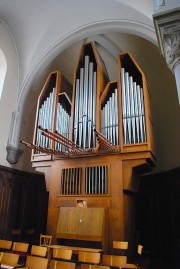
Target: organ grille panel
pixel 96 180
pixel 71 181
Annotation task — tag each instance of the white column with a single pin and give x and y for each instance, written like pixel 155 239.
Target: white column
pixel 177 76
pixel 167 27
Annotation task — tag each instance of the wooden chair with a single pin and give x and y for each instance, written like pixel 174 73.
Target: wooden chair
pixel 5 245
pixel 9 259
pixel 114 260
pixel 62 253
pixel 89 257
pixel 122 246
pixel 36 262
pixel 62 265
pixel 21 249
pixel 45 240
pixel 138 263
pixel 92 266
pixel 38 251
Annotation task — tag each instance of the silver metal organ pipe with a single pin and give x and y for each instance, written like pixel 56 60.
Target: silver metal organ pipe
pixel 134 127
pixel 76 115
pixel 116 117
pixel 132 110
pixel 85 99
pixel 45 119
pixel 109 118
pixel 136 112
pixel 94 108
pixel 113 120
pixel 124 110
pixel 90 99
pixel 81 105
pixel 143 115
pixel 85 106
pixel 62 125
pixel 128 108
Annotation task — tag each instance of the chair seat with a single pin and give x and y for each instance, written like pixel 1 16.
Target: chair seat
pixel 131 265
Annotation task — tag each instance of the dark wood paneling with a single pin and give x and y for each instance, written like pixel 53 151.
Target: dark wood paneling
pixel 158 216
pixel 23 202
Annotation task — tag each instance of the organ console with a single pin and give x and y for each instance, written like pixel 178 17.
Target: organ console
pixel 95 145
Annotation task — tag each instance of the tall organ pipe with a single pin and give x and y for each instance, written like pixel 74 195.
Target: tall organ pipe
pixel 85 106
pixel 134 128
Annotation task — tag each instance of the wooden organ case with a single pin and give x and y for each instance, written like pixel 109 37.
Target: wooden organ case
pixel 93 148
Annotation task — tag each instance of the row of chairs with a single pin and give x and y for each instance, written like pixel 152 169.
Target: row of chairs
pixel 61 256
pixel 10 260
pixel 93 260
pixel 45 240
pixel 18 253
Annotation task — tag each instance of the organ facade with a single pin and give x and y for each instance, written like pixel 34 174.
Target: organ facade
pixel 93 140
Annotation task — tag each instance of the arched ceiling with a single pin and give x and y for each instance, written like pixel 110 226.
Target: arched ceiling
pixel 39 26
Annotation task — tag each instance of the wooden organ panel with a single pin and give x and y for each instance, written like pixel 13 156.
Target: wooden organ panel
pixel 99 144
pixel 81 223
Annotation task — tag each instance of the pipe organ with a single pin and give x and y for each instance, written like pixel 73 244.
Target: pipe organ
pixel 93 140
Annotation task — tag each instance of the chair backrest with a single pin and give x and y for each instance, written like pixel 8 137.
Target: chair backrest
pixel 93 266
pixel 120 244
pixel 140 248
pixel 10 259
pixel 45 240
pixel 36 262
pixel 114 260
pixel 139 256
pixel 62 265
pixel 89 257
pixel 1 253
pixel 38 251
pixel 61 253
pixel 5 244
pixel 19 246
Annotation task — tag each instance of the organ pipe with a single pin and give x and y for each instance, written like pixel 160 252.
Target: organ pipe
pixel 134 128
pixel 96 115
pixel 85 106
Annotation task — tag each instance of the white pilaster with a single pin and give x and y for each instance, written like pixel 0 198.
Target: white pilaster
pixel 167 27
